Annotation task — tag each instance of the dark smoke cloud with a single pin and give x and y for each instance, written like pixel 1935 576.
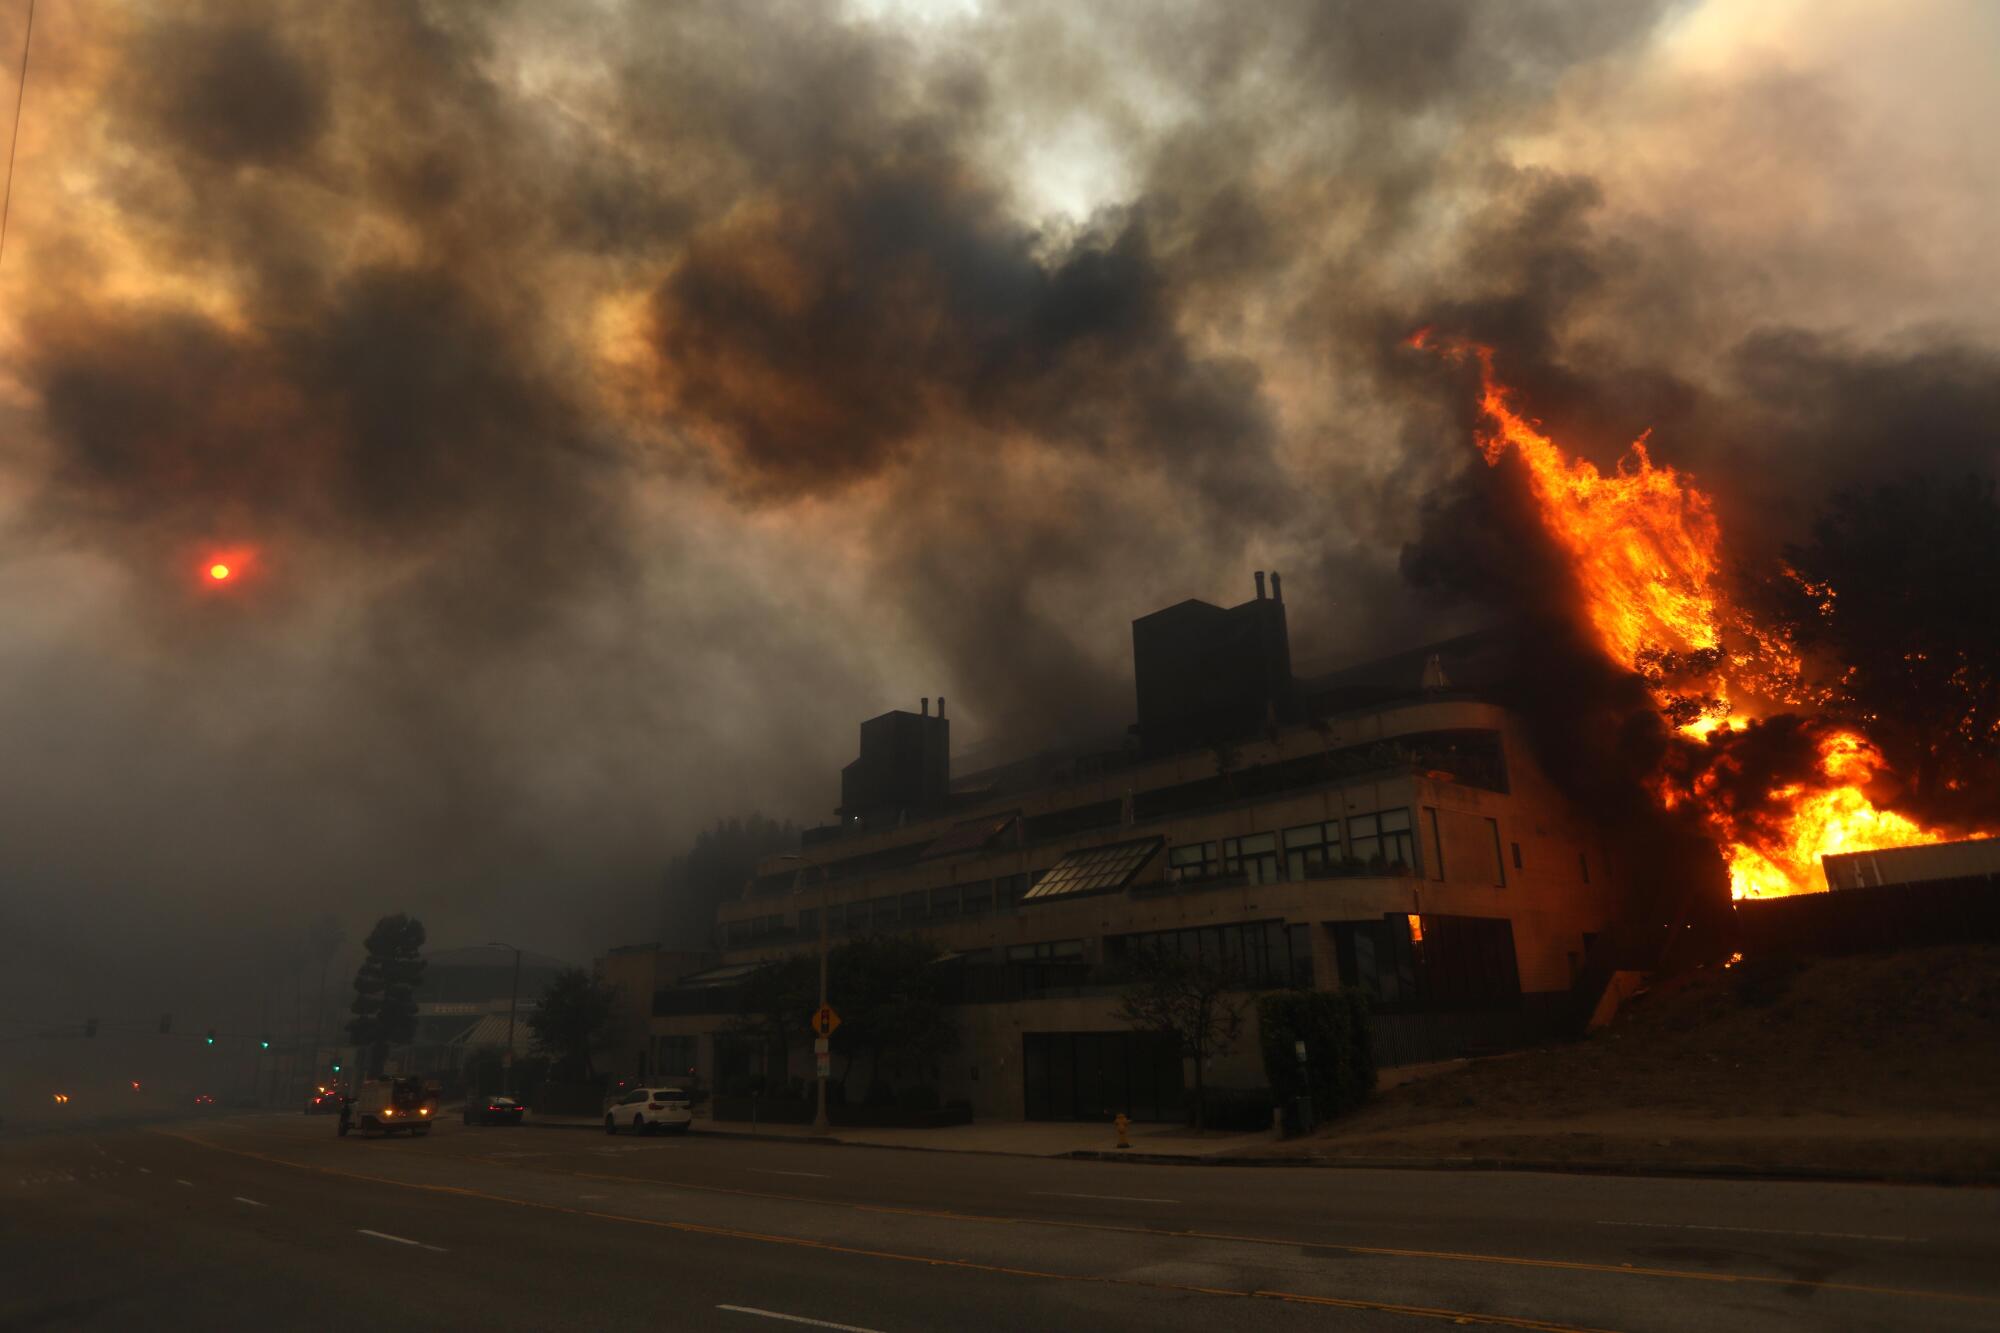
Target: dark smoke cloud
pixel 621 401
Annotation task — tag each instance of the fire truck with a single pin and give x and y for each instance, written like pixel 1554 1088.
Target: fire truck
pixel 388 1105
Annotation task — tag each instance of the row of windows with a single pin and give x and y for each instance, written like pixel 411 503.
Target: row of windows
pixel 1430 962
pixel 751 930
pixel 1382 843
pixel 1379 843
pixel 1472 757
pixel 1258 953
pixel 939 904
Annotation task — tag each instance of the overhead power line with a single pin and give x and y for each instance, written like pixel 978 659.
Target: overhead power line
pixel 14 142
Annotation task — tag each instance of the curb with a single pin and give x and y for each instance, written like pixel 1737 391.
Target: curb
pixel 597 1127
pixel 1556 1166
pixel 1324 1161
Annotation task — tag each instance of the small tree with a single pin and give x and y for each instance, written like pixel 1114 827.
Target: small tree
pixel 385 1005
pixel 886 990
pixel 777 1001
pixel 1191 1000
pixel 574 1017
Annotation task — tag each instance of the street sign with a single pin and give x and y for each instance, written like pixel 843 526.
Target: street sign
pixel 819 1046
pixel 825 1021
pixel 825 1065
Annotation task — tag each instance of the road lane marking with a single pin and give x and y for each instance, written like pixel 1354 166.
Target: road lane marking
pixel 179 1181
pixel 795 1319
pixel 761 1171
pixel 1114 1198
pixel 145 1170
pixel 252 1202
pixel 401 1240
pixel 1332 1247
pixel 1769 1231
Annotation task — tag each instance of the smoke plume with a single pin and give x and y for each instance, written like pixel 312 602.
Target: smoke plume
pixel 608 405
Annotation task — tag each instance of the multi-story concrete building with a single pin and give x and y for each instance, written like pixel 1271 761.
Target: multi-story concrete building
pixel 1376 828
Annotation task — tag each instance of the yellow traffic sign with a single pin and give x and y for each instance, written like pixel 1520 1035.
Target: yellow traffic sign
pixel 825 1021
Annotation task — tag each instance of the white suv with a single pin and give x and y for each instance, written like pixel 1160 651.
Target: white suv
pixel 643 1110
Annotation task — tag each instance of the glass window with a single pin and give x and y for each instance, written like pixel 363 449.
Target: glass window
pixel 976 899
pixel 944 902
pixel 808 921
pixel 1364 838
pixel 1312 850
pixel 916 904
pixel 1399 843
pixel 1008 891
pixel 1194 860
pixel 1255 857
pixel 882 912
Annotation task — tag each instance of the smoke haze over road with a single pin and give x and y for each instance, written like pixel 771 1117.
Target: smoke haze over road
pixel 608 405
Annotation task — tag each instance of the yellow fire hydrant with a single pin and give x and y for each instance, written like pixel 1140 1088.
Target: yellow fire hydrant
pixel 1124 1124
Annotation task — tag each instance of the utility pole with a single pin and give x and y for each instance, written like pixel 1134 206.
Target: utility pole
pixel 513 1000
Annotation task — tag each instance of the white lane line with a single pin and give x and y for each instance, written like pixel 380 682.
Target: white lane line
pixel 816 1175
pixel 252 1202
pixel 1114 1198
pixel 401 1240
pixel 145 1170
pixel 1769 1231
pixel 179 1181
pixel 795 1318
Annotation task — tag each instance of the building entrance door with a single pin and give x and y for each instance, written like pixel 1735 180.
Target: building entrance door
pixel 1096 1075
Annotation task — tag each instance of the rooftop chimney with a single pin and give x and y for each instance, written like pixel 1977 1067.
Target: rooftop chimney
pixel 940 705
pixel 927 705
pixel 1277 588
pixel 1260 585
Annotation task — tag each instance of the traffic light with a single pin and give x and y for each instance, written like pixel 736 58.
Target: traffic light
pixel 263 1043
pixel 336 1069
pixel 210 1039
pixel 89 1027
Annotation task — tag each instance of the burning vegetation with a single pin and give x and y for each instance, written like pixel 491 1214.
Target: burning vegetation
pixel 1751 758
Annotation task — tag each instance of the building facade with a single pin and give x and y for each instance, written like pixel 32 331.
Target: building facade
pixel 1407 846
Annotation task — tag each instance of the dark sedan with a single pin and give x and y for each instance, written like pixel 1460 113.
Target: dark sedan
pixel 493 1111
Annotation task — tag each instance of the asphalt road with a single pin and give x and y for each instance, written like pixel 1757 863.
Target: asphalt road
pixel 271 1222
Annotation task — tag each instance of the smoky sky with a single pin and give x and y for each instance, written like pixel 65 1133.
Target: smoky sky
pixel 611 404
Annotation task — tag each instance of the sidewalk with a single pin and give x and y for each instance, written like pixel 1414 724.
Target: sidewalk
pixel 1022 1138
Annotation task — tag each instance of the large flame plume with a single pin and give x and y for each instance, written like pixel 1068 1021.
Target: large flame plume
pixel 1646 550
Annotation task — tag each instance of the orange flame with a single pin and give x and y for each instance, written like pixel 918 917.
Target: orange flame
pixel 1645 547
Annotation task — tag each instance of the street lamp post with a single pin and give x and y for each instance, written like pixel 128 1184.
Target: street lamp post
pixel 513 1000
pixel 820 1124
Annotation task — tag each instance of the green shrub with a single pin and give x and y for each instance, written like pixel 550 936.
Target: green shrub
pixel 1339 1071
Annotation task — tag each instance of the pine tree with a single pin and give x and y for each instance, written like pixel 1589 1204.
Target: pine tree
pixel 385 1006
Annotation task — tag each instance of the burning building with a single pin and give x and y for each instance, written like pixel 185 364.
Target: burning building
pixel 1387 826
